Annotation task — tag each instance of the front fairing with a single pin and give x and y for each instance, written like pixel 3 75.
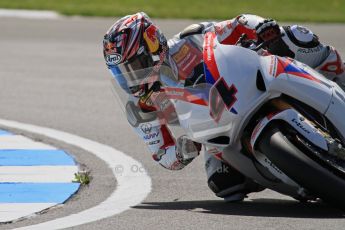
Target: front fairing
pixel 238 69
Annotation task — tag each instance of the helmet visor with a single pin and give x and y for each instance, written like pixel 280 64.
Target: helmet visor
pixel 133 73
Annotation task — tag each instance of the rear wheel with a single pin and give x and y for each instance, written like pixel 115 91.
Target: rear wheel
pixel 302 162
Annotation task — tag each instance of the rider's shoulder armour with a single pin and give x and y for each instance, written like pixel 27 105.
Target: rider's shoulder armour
pixel 192 30
pixel 301 36
pixel 250 21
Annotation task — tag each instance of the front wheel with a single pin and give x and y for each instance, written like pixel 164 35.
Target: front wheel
pixel 296 163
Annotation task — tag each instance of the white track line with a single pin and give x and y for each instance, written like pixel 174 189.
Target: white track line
pixel 31 14
pixel 38 174
pixel 12 211
pixel 20 142
pixel 132 185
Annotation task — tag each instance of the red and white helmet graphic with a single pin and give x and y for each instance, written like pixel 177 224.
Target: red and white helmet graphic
pixel 132 44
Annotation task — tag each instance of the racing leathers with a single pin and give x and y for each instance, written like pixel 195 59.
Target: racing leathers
pixel 186 60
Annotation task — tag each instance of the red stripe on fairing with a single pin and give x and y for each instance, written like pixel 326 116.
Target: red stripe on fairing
pixel 184 95
pixel 281 65
pixel 208 55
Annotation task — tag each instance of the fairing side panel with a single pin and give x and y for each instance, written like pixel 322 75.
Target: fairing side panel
pixel 336 110
pixel 298 81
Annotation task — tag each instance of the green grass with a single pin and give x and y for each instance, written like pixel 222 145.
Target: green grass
pixel 82 177
pixel 284 10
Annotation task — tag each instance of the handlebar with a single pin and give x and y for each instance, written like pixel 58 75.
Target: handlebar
pixel 242 41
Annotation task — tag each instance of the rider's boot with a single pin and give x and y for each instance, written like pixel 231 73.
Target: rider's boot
pixel 226 182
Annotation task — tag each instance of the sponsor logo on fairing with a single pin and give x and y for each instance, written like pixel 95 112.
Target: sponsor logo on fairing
pixel 208 42
pixel 273 66
pixel 146 128
pixel 300 126
pixel 273 166
pixel 113 59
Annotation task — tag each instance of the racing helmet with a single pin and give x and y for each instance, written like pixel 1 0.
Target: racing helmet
pixel 134 49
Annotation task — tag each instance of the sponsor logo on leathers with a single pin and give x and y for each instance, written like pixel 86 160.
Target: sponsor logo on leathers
pixel 146 128
pixel 151 136
pixel 154 142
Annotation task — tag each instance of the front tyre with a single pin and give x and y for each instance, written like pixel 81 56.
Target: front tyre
pixel 296 164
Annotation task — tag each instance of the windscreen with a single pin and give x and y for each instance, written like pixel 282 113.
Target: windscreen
pixel 197 111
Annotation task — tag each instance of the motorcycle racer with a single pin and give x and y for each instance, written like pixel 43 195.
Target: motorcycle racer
pixel 134 43
pixel 294 41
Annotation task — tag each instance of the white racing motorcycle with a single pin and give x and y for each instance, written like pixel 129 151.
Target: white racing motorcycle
pixel 279 122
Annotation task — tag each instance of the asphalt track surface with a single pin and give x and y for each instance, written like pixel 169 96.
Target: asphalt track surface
pixel 52 74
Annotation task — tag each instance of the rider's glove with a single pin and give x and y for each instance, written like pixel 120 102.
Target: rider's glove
pixel 186 149
pixel 268 30
pixel 247 44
